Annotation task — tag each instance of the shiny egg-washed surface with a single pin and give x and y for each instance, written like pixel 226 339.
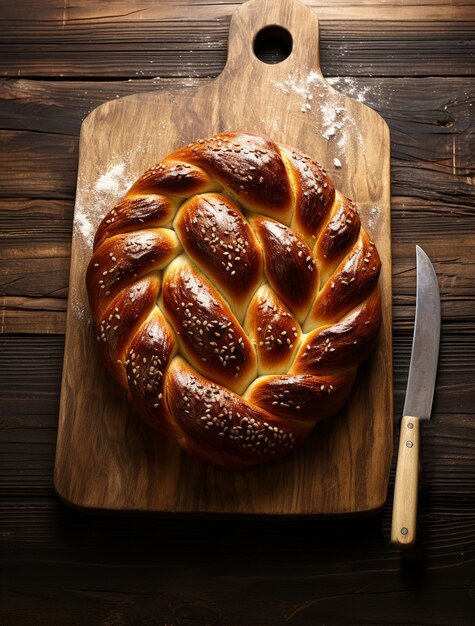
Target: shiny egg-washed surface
pixel 235 293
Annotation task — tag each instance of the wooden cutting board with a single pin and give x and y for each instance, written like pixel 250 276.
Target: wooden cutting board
pixel 105 458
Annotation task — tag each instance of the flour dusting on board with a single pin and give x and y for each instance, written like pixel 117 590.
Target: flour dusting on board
pixel 111 181
pixel 350 87
pixel 93 201
pixel 373 218
pixel 301 86
pixel 102 195
pixel 334 122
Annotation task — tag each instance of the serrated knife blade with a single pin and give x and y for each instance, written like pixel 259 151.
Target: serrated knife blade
pixel 418 402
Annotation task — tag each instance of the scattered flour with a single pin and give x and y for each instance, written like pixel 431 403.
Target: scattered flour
pixel 95 200
pixel 110 182
pixel 334 123
pixel 349 87
pixel 330 118
pixel 300 86
pixel 83 224
pixel 333 119
pixel 373 218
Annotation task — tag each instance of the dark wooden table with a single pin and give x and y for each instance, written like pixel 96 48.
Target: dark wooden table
pixel 414 63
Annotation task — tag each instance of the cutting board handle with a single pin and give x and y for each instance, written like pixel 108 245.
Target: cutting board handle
pixel 250 20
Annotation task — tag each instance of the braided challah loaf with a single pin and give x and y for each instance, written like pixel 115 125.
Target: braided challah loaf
pixel 234 293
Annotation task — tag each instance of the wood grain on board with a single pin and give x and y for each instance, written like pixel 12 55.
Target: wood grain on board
pixel 105 458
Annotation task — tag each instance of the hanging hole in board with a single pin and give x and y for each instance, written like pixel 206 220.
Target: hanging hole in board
pixel 273 44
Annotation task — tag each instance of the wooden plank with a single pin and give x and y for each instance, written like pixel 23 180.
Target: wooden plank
pixel 37 234
pixel 27 314
pixel 423 185
pixel 50 276
pixel 34 105
pixel 28 223
pixel 36 519
pixel 44 165
pixel 35 248
pixel 34 222
pixel 35 279
pixel 184 10
pixel 39 359
pixel 54 581
pixel 47 164
pixel 104 136
pixel 137 48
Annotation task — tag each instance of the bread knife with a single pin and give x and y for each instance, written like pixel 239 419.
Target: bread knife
pixel 418 402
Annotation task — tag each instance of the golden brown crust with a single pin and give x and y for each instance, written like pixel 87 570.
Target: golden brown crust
pixel 344 344
pixel 339 233
pixel 134 213
pixel 274 331
pixel 148 357
pixel 314 194
pixel 289 263
pixel 123 259
pixel 220 241
pixel 174 178
pixel 220 426
pixel 250 167
pixel 209 334
pixel 354 278
pixel 234 294
pixel 118 323
pixel 302 396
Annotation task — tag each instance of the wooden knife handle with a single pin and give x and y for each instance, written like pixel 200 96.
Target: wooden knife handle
pixel 403 530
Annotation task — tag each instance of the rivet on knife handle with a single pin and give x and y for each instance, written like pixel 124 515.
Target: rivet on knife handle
pixel 403 530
